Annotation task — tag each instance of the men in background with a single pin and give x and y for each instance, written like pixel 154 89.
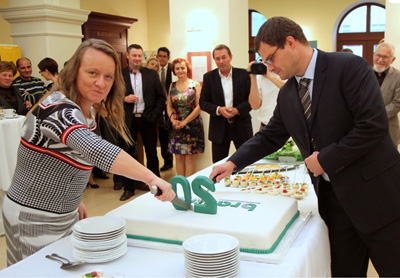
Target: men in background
pixel 389 80
pixel 31 88
pixel 224 96
pixel 144 103
pixel 166 79
pixel 264 90
pixel 331 105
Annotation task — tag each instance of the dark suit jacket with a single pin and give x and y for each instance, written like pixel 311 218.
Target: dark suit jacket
pixel 153 95
pixel 168 77
pixel 350 130
pixel 21 109
pixel 212 96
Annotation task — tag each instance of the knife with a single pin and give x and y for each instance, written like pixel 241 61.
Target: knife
pixel 157 192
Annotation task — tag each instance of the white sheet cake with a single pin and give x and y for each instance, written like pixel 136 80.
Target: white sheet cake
pixel 257 221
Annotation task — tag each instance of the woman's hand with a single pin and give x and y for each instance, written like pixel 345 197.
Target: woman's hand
pixel 167 193
pixel 82 211
pixel 178 124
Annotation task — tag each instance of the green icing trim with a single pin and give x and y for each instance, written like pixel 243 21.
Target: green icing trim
pixel 273 247
pixel 245 250
pixel 155 239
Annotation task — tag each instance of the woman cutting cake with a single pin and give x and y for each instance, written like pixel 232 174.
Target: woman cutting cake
pixel 59 148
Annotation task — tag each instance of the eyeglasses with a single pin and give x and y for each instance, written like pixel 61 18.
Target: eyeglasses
pixel 378 56
pixel 270 59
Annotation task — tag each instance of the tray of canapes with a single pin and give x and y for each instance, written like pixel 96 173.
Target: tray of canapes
pixel 271 183
pixel 261 168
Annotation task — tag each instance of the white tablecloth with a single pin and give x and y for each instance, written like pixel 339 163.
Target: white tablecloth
pixel 308 256
pixel 10 136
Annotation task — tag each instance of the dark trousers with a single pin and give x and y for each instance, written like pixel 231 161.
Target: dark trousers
pixel 148 131
pixel 352 249
pixel 220 151
pixel 163 137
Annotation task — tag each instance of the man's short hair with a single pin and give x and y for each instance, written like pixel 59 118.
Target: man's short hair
pixel 17 62
pixel 163 49
pixel 275 31
pixel 221 47
pixel 135 46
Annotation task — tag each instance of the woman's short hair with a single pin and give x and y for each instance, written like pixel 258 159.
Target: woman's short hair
pixel 48 64
pixel 181 60
pixel 5 65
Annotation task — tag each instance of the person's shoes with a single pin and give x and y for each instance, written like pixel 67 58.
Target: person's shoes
pixel 165 167
pixel 102 176
pixel 118 186
pixel 142 186
pixel 127 195
pixel 92 185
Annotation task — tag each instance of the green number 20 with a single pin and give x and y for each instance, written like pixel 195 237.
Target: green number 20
pixel 210 204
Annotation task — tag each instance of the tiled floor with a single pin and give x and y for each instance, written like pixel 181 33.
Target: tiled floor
pixel 100 201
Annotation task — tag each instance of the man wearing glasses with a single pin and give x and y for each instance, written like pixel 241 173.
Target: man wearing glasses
pixel 340 126
pixel 389 80
pixel 224 96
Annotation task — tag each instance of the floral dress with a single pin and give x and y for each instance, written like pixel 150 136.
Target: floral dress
pixel 190 139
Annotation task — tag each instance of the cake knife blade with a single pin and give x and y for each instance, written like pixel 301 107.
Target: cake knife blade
pixel 157 191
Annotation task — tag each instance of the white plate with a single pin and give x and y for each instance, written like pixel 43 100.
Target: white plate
pixel 210 243
pixel 99 225
pixel 11 117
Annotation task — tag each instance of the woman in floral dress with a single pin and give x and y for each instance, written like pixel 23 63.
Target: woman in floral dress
pixel 187 134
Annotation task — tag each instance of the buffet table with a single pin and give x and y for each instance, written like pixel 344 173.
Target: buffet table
pixel 308 255
pixel 10 136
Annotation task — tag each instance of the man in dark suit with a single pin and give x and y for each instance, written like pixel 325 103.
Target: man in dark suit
pixel 144 103
pixel 224 96
pixel 165 74
pixel 352 161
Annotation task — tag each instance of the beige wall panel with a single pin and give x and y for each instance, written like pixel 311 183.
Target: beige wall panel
pixel 158 24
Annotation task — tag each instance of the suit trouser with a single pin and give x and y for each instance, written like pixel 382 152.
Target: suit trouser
pixel 350 248
pixel 148 131
pixel 163 136
pixel 220 151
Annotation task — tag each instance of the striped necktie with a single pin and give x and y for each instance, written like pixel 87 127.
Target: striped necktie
pixel 304 94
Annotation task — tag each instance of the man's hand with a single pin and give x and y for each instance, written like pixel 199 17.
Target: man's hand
pixel 228 112
pixel 222 171
pixel 28 105
pixel 131 98
pixel 313 165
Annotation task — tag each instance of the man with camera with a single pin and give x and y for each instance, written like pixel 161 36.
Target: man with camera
pixel 264 90
pixel 224 96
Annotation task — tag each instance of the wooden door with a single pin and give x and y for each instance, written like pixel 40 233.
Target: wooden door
pixel 113 29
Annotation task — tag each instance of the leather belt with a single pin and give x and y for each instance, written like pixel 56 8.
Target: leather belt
pixel 231 120
pixel 137 115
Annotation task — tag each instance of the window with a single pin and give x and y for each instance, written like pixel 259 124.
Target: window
pixel 361 29
pixel 255 21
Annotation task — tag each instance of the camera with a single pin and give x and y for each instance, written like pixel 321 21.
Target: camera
pixel 258 68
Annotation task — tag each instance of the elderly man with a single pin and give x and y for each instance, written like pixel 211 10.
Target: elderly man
pixel 331 105
pixel 389 80
pixel 30 87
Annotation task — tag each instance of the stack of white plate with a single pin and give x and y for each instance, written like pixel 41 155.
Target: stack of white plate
pixel 211 255
pixel 99 239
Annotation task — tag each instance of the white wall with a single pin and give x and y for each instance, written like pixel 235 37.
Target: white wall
pixel 392 32
pixel 213 22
